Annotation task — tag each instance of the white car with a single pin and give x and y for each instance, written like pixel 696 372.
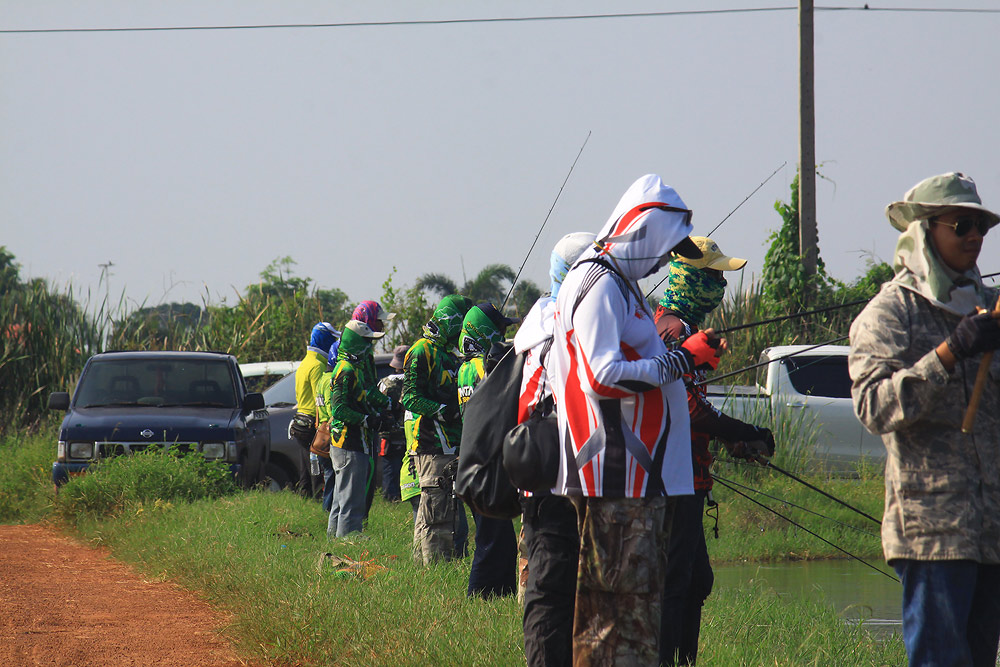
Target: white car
pixel 262 374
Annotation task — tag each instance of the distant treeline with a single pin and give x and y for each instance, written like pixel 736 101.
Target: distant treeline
pixel 48 334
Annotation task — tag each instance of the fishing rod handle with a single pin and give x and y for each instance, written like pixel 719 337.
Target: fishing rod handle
pixel 969 420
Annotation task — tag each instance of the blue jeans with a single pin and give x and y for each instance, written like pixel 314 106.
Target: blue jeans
pixel 326 467
pixel 951 612
pixel 348 509
pixel 390 477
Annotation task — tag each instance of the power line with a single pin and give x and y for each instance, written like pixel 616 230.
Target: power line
pixel 498 19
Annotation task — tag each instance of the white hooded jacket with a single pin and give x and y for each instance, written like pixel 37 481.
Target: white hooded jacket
pixel 623 418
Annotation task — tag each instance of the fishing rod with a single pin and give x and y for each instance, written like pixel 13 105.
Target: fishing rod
pixel 798 525
pixel 769 361
pixel 820 491
pixel 762 183
pixel 551 208
pixel 781 318
pixel 796 506
pixel 807 484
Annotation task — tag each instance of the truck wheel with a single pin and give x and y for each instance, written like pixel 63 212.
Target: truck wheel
pixel 275 477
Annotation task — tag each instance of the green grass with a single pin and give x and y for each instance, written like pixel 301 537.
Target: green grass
pixel 257 556
pixel 26 490
pixel 749 532
pixel 752 625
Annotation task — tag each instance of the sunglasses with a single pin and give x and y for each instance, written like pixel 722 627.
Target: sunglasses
pixel 964 224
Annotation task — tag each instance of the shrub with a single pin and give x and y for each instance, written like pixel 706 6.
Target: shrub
pixel 126 484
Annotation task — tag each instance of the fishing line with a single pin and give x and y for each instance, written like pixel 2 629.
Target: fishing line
pixel 657 285
pixel 798 525
pixel 565 180
pixel 769 361
pixel 821 491
pixel 791 504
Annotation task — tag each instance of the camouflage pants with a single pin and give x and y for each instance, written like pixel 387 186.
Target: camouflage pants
pixel 437 519
pixel 620 580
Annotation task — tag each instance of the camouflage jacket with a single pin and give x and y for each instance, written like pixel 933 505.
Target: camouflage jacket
pixel 942 488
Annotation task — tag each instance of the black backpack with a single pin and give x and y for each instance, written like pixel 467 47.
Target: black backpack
pixel 489 414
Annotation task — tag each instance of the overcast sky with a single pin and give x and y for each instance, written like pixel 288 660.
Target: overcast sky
pixel 192 159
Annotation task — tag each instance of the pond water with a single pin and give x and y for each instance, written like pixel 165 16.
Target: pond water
pixel 857 592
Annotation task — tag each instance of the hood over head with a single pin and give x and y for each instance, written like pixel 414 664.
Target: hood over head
pixel 446 322
pixel 372 314
pixel 356 340
pixel 323 337
pixel 567 250
pixel 482 327
pixel 649 222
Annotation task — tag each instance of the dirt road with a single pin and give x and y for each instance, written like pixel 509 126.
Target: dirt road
pixel 67 604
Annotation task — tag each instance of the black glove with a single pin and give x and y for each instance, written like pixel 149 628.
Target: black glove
pixel 450 413
pixel 766 438
pixel 374 422
pixel 974 335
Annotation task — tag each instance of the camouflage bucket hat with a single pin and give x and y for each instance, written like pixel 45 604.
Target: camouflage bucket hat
pixel 933 195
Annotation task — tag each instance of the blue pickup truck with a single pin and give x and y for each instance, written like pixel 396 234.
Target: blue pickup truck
pixel 130 401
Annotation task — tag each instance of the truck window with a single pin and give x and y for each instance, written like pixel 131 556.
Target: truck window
pixel 156 382
pixel 819 375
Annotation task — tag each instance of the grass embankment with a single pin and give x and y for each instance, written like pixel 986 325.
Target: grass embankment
pixel 258 556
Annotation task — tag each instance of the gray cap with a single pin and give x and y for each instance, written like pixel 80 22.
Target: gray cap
pixel 933 195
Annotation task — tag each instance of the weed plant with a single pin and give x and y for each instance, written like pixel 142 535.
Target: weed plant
pixel 127 484
pixel 26 490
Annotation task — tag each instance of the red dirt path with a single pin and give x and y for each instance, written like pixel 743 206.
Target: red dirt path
pixel 63 603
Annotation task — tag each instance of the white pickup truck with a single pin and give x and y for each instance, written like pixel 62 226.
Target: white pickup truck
pixel 814 383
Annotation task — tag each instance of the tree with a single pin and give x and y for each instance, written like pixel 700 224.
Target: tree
pixel 491 284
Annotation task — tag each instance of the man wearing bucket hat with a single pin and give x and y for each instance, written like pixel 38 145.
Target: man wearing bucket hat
pixel 915 352
pixel 696 287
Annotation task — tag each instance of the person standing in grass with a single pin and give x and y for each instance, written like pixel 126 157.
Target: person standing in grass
pixel 494 561
pixel 375 316
pixel 323 422
pixel 430 396
pixel 393 439
pixel 354 416
pixel 550 540
pixel 625 439
pixel 303 424
pixel 916 349
pixel 696 287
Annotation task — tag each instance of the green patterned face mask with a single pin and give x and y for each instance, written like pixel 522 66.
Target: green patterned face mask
pixel 446 322
pixel 692 293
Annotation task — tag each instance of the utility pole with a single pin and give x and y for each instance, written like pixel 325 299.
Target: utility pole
pixel 807 142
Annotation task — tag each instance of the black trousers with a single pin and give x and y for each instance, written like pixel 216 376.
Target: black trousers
pixel 494 562
pixel 688 583
pixel 552 542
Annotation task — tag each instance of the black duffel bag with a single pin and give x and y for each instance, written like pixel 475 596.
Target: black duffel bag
pixel 489 414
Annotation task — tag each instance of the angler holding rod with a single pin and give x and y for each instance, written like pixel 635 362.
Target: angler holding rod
pixel 915 352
